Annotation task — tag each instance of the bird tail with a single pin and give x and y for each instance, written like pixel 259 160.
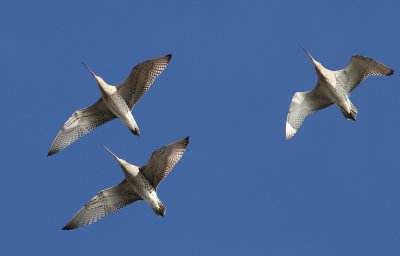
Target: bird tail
pixel 353 112
pixel 161 210
pixel 135 131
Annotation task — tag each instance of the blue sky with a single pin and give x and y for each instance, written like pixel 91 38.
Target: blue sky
pixel 240 188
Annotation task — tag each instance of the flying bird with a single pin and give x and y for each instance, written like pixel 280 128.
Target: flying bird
pixel 333 87
pixel 115 102
pixel 140 183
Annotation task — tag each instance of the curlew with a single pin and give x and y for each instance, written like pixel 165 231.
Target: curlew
pixel 139 184
pixel 333 87
pixel 115 102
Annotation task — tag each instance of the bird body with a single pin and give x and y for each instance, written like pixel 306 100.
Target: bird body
pixel 117 105
pixel 139 184
pixel 333 87
pixel 115 102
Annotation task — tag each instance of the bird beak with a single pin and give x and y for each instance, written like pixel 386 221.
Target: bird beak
pixel 89 69
pixel 109 151
pixel 309 55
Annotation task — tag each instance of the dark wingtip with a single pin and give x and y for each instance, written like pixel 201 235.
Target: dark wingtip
pixel 53 150
pixel 391 72
pixel 186 140
pixel 168 57
pixel 66 227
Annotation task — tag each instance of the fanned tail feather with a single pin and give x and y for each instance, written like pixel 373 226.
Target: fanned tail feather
pixel 135 131
pixel 161 210
pixel 353 113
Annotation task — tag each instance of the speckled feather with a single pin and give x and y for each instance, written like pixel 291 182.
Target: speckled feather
pixel 102 204
pixel 126 96
pixel 163 160
pixel 138 184
pixel 333 87
pixel 358 69
pixel 81 123
pixel 141 78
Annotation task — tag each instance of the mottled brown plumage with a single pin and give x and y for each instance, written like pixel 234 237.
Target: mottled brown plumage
pixel 116 101
pixel 333 87
pixel 139 184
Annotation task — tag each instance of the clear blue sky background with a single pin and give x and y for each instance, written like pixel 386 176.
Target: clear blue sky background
pixel 240 188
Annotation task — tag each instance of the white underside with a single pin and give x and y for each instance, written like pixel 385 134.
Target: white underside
pixel 127 119
pixel 152 199
pixel 149 196
pixel 123 114
pixel 347 105
pixel 290 131
pixel 130 121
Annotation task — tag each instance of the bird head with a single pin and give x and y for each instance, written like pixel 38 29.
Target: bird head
pixel 121 162
pixel 127 167
pixel 316 63
pixel 99 80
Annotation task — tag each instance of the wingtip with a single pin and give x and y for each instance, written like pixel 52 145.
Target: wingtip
pixel 54 149
pixel 186 140
pixel 391 72
pixel 66 227
pixel 168 57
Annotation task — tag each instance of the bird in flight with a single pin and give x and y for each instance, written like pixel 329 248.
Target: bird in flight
pixel 116 101
pixel 333 87
pixel 140 183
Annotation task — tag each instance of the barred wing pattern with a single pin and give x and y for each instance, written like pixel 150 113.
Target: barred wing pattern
pixel 141 78
pixel 163 160
pixel 79 124
pixel 102 204
pixel 358 69
pixel 304 104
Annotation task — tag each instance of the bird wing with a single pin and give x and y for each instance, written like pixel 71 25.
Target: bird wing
pixel 102 204
pixel 304 104
pixel 163 160
pixel 141 78
pixel 358 69
pixel 81 123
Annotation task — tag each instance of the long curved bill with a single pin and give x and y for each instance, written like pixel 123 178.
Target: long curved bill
pixel 88 69
pixel 109 151
pixel 309 55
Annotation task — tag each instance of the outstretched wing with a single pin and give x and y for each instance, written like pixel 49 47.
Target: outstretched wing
pixel 104 203
pixel 304 104
pixel 163 160
pixel 358 69
pixel 141 78
pixel 79 124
